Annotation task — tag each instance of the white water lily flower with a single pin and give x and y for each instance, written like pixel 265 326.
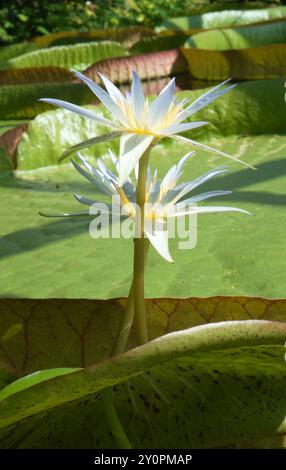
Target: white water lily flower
pixel 139 123
pixel 164 199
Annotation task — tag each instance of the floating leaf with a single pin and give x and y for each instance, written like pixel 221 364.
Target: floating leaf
pixel 21 101
pixel 242 64
pixel 126 36
pixel 34 75
pixel 149 66
pixel 15 50
pixel 218 19
pixel 54 333
pixel 158 43
pixel 240 37
pixel 27 240
pixel 168 384
pixel 78 56
pixel 9 141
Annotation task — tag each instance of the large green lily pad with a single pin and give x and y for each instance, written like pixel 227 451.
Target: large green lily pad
pixel 78 56
pixel 15 50
pixel 252 63
pixel 44 258
pixel 57 258
pixel 218 19
pixel 56 333
pixel 179 384
pixel 240 37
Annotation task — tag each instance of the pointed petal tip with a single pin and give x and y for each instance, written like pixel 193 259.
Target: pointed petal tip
pixel 102 76
pixel 76 72
pixel 79 75
pixel 47 100
pixel 207 148
pixel 167 257
pixel 243 211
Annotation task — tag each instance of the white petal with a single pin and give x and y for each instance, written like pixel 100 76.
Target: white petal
pixel 103 97
pixel 182 190
pixel 86 164
pixel 200 146
pixel 205 99
pixel 114 159
pixel 168 182
pixel 203 196
pixel 137 99
pixel 204 177
pixel 208 209
pixel 183 160
pixel 160 241
pixel 132 147
pixel 113 91
pixel 65 214
pixel 177 128
pixel 84 200
pixel 170 179
pixel 95 179
pixel 79 110
pixel 167 86
pixel 159 107
pixel 106 172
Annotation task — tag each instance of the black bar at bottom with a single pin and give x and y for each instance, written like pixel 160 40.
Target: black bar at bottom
pixel 222 458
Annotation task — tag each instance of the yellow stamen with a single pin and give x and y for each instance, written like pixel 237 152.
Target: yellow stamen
pixel 124 200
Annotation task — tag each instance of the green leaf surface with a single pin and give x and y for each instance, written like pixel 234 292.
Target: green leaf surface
pixel 15 50
pixel 158 43
pixel 54 132
pixel 253 63
pixel 125 36
pixel 31 75
pixel 21 101
pixel 56 333
pixel 61 251
pixel 78 56
pixel 169 384
pixel 240 37
pixel 220 19
pixel 150 66
pixel 36 378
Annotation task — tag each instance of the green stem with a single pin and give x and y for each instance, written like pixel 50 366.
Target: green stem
pixel 113 420
pixel 119 346
pixel 135 307
pixel 128 316
pixel 139 244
